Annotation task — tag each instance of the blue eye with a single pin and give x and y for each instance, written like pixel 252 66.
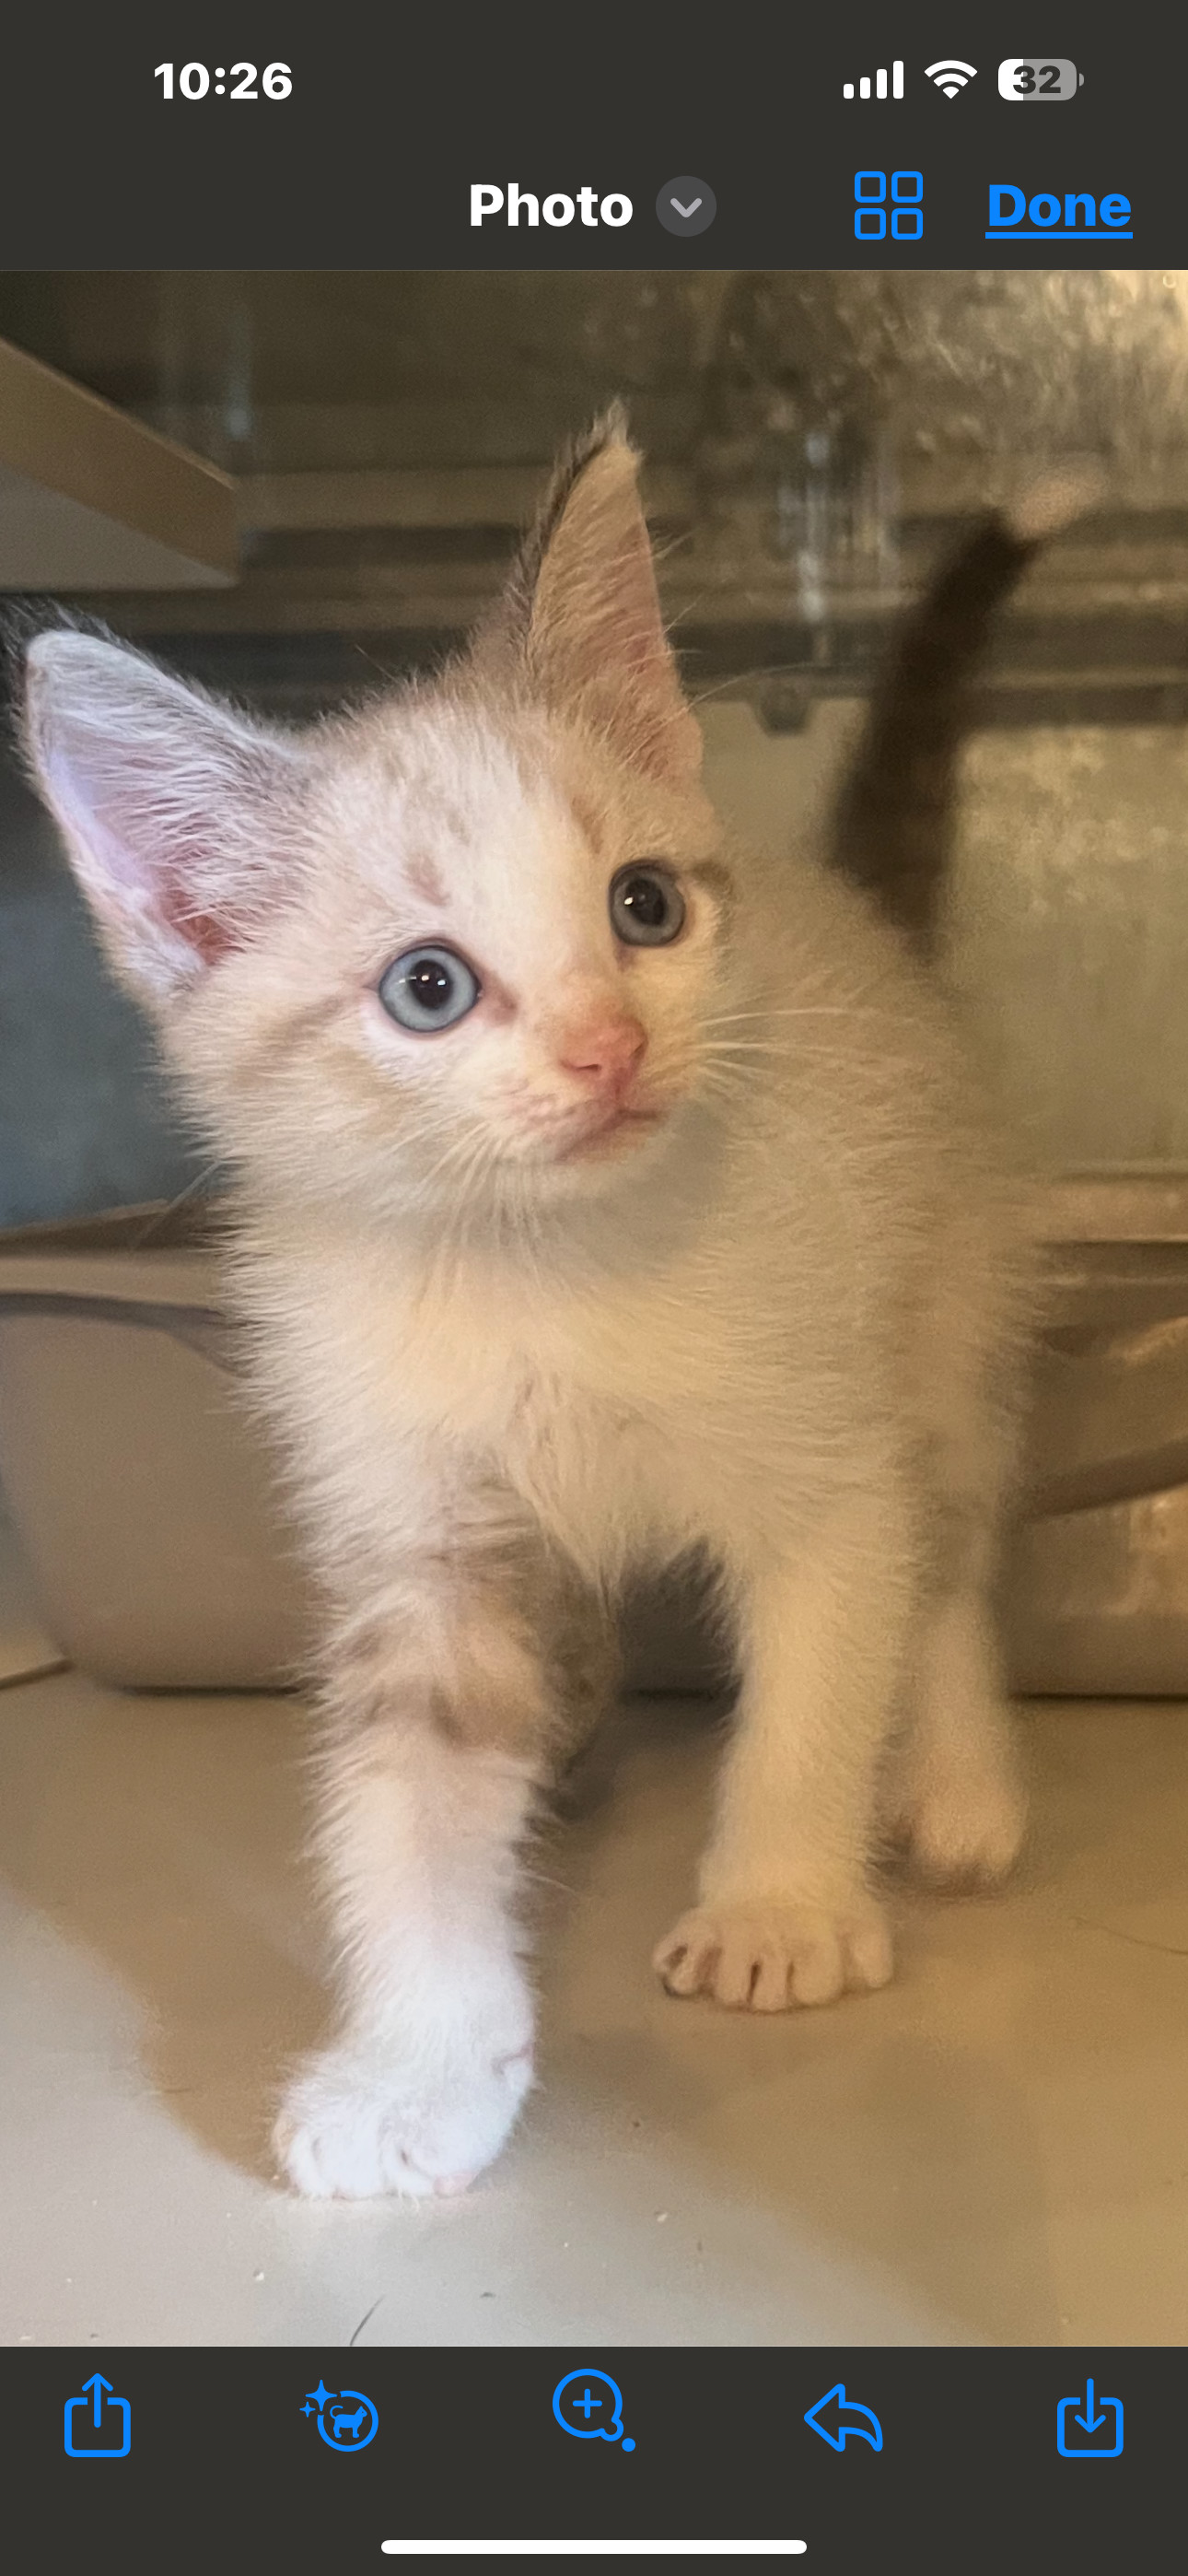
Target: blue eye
pixel 647 908
pixel 428 989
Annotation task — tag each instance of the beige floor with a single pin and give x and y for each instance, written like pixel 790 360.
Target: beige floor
pixel 995 2149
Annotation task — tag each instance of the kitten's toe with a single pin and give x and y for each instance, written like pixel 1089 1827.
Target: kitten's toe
pixel 966 1829
pixel 770 1955
pixel 353 2127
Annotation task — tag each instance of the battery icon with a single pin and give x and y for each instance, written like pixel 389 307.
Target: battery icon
pixel 1021 77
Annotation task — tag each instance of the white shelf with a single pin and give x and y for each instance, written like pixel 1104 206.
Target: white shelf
pixel 92 500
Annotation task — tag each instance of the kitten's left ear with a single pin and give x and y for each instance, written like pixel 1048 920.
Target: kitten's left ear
pixel 583 611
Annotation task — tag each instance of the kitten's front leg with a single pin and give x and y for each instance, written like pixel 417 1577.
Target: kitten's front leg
pixel 435 1732
pixel 786 1914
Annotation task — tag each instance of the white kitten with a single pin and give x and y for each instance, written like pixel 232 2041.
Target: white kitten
pixel 605 1194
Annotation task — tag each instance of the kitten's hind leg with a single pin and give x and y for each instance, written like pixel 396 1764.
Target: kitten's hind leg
pixel 957 1797
pixel 436 1733
pixel 786 1912
pixel 588 1670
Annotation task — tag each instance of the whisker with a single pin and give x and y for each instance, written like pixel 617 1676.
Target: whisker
pixel 804 1011
pixel 160 1216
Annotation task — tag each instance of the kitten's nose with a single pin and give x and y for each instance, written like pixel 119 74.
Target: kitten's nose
pixel 606 1051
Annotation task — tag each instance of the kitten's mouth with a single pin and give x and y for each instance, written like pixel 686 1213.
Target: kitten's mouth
pixel 618 1129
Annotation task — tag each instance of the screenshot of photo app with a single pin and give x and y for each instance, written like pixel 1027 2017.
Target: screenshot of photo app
pixel 594 1292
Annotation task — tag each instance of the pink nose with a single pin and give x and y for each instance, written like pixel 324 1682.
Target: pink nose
pixel 606 1052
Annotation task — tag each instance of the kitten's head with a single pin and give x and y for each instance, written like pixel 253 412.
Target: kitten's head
pixel 464 943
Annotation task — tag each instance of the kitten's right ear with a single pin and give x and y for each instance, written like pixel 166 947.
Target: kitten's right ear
pixel 581 612
pixel 167 802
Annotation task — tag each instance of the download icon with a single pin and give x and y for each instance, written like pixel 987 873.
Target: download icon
pixel 1089 2427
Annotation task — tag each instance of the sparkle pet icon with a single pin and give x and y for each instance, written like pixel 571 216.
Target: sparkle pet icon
pixel 347 2420
pixel 576 2407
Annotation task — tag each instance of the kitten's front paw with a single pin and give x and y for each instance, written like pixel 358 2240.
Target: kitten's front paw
pixel 768 1955
pixel 353 2126
pixel 965 1830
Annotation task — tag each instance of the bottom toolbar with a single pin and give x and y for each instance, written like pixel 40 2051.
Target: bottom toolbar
pixel 348 2457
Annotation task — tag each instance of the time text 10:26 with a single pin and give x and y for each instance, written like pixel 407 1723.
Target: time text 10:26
pixel 227 80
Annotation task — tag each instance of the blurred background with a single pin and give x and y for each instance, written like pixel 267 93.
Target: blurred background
pixel 812 440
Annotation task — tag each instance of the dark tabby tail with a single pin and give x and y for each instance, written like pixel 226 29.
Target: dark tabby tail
pixel 894 820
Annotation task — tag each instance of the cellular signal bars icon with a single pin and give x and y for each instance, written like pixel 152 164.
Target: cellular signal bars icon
pixel 875 86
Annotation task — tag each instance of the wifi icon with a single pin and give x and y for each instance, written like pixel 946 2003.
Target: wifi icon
pixel 951 77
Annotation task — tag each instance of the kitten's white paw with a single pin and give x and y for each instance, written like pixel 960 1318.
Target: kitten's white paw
pixel 353 2126
pixel 965 1829
pixel 768 1956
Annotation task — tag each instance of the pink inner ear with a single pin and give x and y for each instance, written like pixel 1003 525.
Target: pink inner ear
pixel 209 939
pixel 129 854
pixel 207 933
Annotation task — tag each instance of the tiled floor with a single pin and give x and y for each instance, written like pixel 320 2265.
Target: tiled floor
pixel 994 2149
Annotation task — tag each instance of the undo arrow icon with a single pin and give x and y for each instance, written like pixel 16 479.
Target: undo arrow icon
pixel 839 2419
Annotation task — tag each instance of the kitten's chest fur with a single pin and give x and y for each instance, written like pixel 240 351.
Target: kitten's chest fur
pixel 570 1396
pixel 578 1400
